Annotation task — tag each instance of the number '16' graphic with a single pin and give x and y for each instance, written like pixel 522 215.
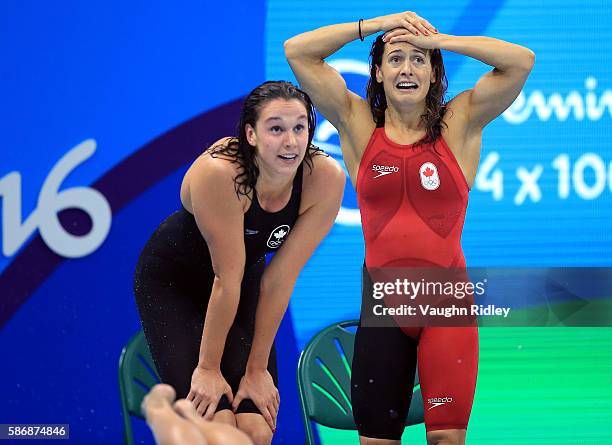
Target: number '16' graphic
pixel 51 201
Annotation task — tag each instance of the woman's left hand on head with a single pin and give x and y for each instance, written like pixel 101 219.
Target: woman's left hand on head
pixel 258 386
pixel 397 35
pixel 409 20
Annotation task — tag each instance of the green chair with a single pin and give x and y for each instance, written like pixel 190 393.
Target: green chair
pixel 137 375
pixel 324 381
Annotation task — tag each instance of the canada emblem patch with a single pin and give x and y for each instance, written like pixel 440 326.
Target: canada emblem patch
pixel 430 180
pixel 278 235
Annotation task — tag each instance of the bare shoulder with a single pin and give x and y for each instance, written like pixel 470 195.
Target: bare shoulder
pixel 209 172
pixel 324 169
pixel 325 178
pixel 463 140
pixel 211 168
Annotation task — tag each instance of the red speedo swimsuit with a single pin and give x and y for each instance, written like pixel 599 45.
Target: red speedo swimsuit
pixel 413 201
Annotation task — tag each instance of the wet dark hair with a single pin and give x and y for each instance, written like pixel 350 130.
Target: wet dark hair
pixel 435 106
pixel 238 149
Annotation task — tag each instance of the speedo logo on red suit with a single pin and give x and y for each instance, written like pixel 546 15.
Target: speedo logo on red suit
pixel 430 180
pixel 383 170
pixel 438 401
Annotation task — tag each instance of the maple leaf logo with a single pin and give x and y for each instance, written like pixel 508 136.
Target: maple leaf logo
pixel 280 234
pixel 428 172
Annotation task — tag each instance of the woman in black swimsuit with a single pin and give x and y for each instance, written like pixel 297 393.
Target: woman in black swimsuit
pixel 210 307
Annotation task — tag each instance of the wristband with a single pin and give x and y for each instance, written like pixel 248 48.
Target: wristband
pixel 360 36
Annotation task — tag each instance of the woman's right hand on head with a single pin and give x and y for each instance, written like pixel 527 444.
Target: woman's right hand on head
pixel 408 20
pixel 207 388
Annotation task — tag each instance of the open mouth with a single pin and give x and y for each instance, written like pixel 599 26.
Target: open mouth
pixel 406 86
pixel 288 156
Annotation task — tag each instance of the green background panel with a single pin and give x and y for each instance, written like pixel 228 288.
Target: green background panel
pixel 535 386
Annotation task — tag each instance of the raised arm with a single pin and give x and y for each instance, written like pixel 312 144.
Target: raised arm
pixel 321 197
pixel 220 217
pixel 348 112
pixel 473 109
pixel 306 54
pixel 497 89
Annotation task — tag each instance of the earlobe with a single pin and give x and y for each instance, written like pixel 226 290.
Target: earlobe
pixel 250 135
pixel 378 74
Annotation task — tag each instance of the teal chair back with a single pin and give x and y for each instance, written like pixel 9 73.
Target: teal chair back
pixel 137 375
pixel 324 381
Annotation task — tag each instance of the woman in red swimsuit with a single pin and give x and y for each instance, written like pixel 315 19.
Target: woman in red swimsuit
pixel 412 158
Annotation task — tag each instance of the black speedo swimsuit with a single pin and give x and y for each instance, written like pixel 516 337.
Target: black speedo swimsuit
pixel 173 282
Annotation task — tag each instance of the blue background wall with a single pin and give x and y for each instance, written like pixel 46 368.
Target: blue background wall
pixel 153 83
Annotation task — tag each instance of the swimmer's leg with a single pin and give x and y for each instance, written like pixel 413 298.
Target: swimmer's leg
pixel 371 441
pixel 215 433
pixel 256 427
pixel 448 367
pixel 446 437
pixel 382 380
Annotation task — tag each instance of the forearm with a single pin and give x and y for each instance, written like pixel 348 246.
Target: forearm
pixel 273 302
pixel 220 315
pixel 503 56
pixel 323 42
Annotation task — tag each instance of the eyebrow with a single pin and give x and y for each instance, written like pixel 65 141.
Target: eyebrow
pixel 278 118
pixel 413 50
